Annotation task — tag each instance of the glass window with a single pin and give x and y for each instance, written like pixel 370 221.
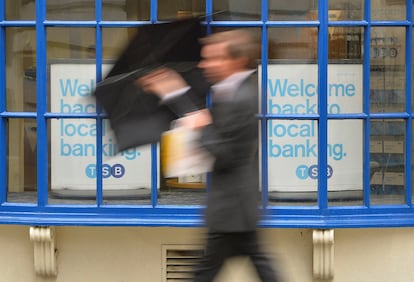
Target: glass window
pixel 298 10
pixel 293 44
pixel 70 43
pixel 387 95
pixel 388 10
pixel 22 160
pixel 21 97
pixel 292 161
pixel 20 10
pixel 245 10
pixel 344 10
pixel 123 10
pixel 20 69
pixel 114 41
pixel 175 9
pixel 345 162
pixel 345 44
pixel 387 183
pixel 345 94
pixel 81 10
pixel 72 148
pixel 412 168
pixel 387 69
pixel 412 132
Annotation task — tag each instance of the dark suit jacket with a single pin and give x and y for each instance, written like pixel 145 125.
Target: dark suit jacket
pixel 232 202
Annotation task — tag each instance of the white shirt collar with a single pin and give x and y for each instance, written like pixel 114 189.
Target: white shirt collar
pixel 227 86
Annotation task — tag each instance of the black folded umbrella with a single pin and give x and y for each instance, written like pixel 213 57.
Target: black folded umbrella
pixel 136 117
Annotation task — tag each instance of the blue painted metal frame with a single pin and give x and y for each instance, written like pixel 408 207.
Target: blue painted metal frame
pixel 41 97
pixel 366 105
pixel 322 106
pixel 408 102
pixel 99 119
pixel 264 119
pixel 3 128
pixel 319 216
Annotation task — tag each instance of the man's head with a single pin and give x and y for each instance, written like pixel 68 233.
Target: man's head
pixel 228 52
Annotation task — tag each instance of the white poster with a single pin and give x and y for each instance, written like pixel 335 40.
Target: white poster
pixel 73 141
pixel 293 144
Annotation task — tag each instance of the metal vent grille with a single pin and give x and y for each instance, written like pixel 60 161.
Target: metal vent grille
pixel 179 262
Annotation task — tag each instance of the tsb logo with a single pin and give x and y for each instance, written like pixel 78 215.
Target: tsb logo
pixel 303 171
pixel 116 171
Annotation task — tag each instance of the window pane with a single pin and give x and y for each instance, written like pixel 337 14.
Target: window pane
pixel 292 160
pixel 387 70
pixel 186 190
pixel 412 132
pixel 190 190
pixel 344 88
pixel 20 10
pixel 387 161
pixel 292 89
pixel 343 10
pixel 126 175
pixel 288 10
pixel 345 43
pixel 74 143
pixel 71 10
pixel 412 167
pixel 388 10
pixel 74 47
pixel 115 40
pixel 345 162
pixel 173 9
pixel 132 10
pixel 293 43
pixel 70 43
pixel 73 149
pixel 292 144
pixel 238 10
pixel 22 160
pixel 20 69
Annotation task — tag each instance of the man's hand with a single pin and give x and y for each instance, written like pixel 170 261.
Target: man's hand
pixel 196 120
pixel 161 82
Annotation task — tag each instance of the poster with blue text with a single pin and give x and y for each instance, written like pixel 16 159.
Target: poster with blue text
pixel 73 140
pixel 293 143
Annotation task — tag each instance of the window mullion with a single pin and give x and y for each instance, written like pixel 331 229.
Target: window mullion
pixel 322 103
pixel 3 129
pixel 263 120
pixel 154 175
pixel 41 99
pixel 99 120
pixel 408 106
pixel 153 11
pixel 366 103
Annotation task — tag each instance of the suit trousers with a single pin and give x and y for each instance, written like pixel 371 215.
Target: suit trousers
pixel 221 246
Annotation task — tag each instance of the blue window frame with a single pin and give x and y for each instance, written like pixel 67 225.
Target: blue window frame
pixel 323 213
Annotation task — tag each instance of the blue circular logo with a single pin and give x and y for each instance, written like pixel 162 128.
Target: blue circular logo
pixel 118 170
pixel 302 171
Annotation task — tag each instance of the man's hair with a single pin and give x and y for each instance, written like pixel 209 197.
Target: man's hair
pixel 241 43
